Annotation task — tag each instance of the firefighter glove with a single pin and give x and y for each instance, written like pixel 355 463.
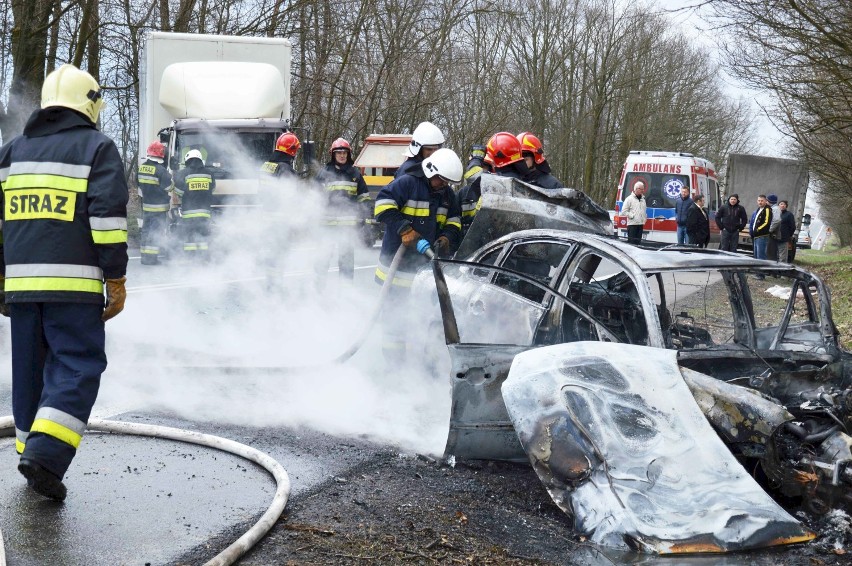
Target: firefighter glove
pixel 4 308
pixel 442 245
pixel 115 296
pixel 409 236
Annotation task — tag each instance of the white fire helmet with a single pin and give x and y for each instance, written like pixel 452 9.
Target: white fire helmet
pixel 426 133
pixel 444 163
pixel 193 154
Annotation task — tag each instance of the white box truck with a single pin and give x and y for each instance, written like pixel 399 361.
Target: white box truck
pixel 227 96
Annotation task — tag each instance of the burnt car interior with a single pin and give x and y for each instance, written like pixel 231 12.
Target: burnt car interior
pixel 609 296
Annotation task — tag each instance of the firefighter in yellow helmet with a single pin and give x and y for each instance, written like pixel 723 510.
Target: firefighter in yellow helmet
pixel 64 243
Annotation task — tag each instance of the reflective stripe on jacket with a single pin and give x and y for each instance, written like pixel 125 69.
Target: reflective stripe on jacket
pixel 347 195
pixel 154 182
pixel 408 201
pixel 64 210
pixel 195 186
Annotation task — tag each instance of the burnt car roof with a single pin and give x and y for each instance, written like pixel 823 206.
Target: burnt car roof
pixel 648 258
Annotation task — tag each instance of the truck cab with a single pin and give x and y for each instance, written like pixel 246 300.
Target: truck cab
pixel 233 150
pixel 227 96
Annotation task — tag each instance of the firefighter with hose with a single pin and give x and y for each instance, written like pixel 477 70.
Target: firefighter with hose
pixel 419 205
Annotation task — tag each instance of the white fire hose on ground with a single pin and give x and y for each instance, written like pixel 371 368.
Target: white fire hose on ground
pixel 239 547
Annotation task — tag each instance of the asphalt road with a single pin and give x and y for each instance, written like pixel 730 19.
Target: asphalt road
pixel 136 500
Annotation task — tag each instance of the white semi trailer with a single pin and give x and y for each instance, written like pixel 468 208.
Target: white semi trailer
pixel 227 96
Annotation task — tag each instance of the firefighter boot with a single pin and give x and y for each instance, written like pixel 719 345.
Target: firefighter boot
pixel 41 480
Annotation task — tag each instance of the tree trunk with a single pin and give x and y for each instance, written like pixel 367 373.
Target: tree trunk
pixel 29 46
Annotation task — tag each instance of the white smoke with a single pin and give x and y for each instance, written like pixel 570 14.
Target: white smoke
pixel 259 303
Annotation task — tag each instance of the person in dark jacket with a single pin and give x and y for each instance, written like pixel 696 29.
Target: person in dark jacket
pixel 786 229
pixel 539 169
pixel 64 241
pixel 731 218
pixel 420 205
pixel 759 227
pixel 698 223
pixel 426 139
pixel 154 182
pixel 682 205
pixel 194 184
pixel 347 207
pixel 503 155
pixel 280 164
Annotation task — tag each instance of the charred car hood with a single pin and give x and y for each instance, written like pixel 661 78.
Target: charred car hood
pixel 616 436
pixel 509 205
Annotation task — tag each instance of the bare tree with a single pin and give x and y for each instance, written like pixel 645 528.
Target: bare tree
pixel 592 78
pixel 800 51
pixel 28 47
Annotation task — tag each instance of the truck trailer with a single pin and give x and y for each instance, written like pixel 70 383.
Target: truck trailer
pixel 227 96
pixel 751 175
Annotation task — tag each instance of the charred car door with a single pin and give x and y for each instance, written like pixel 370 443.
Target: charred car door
pixel 490 314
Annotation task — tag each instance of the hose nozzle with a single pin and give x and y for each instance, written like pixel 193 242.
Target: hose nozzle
pixel 424 248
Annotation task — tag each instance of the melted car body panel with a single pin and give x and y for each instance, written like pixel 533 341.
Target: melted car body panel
pixel 615 434
pixel 509 205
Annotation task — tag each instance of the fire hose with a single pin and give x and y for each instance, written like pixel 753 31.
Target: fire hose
pixel 242 545
pixel 422 247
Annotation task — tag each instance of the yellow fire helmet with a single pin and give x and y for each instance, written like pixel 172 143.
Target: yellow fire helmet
pixel 72 88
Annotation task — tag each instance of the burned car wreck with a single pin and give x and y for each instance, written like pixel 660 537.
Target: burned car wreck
pixel 661 395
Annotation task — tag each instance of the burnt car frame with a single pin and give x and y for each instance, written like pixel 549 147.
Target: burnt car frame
pixel 778 393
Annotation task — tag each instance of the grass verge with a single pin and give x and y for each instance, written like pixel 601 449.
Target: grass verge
pixel 835 268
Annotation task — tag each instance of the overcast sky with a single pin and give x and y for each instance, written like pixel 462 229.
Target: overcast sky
pixel 684 14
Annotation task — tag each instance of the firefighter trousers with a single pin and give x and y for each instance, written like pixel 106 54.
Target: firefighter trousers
pixel 57 361
pixel 196 232
pixel 154 226
pixel 343 238
pixel 396 322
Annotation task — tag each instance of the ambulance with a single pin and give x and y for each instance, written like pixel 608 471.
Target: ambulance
pixel 664 174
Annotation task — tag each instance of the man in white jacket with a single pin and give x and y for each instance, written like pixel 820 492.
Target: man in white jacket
pixel 634 209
